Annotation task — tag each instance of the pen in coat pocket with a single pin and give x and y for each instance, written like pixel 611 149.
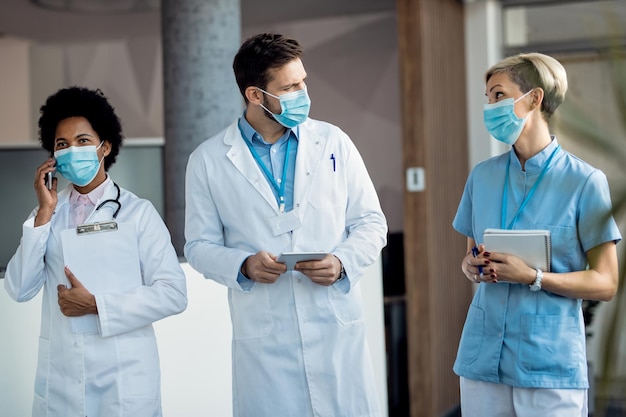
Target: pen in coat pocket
pixel 332 157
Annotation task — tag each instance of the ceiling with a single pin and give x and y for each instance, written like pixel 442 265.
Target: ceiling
pixel 578 23
pixel 22 19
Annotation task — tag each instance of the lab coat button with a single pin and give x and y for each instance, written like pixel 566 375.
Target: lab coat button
pixel 299 280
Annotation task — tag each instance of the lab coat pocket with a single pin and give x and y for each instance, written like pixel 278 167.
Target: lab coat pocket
pixel 251 313
pixel 348 308
pixel 141 407
pixel 549 345
pixel 139 366
pixel 472 336
pixel 40 407
pixel 43 369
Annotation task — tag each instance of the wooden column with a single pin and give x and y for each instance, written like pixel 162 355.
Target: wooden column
pixel 432 68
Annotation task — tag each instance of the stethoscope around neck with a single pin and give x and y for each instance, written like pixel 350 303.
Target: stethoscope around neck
pixel 115 201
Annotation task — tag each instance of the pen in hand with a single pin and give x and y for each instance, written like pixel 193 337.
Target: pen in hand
pixel 480 267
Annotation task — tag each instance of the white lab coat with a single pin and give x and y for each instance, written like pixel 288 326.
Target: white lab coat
pixel 114 372
pixel 299 349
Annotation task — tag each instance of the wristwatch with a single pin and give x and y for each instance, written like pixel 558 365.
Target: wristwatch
pixel 536 286
pixel 342 274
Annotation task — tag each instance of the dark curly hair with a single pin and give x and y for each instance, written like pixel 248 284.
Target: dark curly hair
pixel 259 54
pixel 81 102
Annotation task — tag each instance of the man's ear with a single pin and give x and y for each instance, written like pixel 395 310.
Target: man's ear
pixel 254 95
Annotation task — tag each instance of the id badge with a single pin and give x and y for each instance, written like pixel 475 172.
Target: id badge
pixel 284 222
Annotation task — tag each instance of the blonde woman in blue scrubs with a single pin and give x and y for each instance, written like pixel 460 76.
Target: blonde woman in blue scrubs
pixel 522 351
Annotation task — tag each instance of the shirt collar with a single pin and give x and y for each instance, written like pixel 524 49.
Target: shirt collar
pixel 536 162
pixel 252 135
pixel 94 195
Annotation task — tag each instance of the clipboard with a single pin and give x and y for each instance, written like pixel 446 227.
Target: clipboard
pixel 105 262
pixel 534 247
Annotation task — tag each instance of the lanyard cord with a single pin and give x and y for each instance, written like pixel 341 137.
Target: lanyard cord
pixel 279 189
pixel 528 196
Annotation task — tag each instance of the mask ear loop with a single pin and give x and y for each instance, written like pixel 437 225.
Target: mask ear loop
pixel 519 98
pixel 103 156
pixel 527 93
pixel 271 95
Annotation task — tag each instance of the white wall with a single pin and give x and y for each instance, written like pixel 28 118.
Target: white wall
pixel 481 28
pixel 194 348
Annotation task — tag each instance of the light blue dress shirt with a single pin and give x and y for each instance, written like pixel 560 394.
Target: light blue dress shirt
pixel 511 335
pixel 273 156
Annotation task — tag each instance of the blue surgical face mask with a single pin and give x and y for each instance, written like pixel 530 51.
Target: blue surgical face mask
pixel 78 164
pixel 501 121
pixel 295 107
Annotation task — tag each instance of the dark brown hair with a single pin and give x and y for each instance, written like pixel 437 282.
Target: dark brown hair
pixel 260 54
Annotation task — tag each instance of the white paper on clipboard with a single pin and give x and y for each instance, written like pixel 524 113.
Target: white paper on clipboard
pixel 104 262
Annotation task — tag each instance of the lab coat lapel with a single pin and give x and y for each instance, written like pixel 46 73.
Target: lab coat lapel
pixel 242 159
pixel 310 146
pixel 60 218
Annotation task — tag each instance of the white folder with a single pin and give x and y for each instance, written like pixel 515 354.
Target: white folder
pixel 534 247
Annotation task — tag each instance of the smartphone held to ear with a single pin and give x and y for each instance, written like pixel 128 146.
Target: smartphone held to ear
pixel 49 180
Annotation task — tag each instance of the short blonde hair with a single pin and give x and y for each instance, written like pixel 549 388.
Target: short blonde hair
pixel 532 70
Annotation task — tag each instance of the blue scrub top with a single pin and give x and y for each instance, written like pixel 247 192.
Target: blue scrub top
pixel 512 335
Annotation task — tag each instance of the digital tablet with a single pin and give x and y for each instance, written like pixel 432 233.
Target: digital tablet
pixel 290 258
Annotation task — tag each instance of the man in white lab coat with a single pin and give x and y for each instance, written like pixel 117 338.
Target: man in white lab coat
pixel 276 181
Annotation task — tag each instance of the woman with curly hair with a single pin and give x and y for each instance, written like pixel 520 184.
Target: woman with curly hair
pixel 97 349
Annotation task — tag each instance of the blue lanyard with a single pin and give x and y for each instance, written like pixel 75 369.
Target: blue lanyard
pixel 528 196
pixel 279 189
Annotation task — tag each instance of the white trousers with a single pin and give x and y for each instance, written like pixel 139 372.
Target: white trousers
pixel 486 399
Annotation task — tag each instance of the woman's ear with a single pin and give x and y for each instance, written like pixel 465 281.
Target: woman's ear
pixel 537 97
pixel 106 148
